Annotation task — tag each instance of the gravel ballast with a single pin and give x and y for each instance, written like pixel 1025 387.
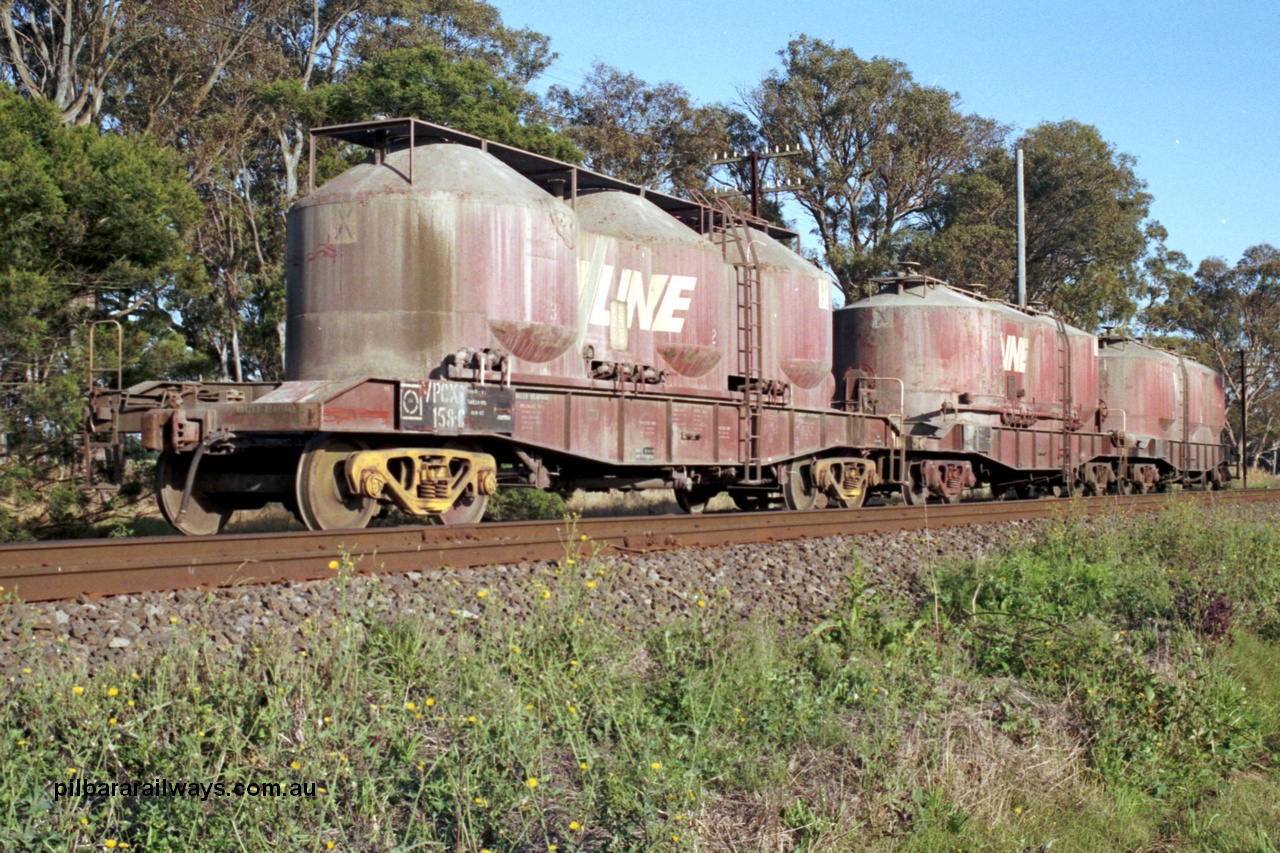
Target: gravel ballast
pixel 796 581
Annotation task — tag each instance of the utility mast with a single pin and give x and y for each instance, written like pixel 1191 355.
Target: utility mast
pixel 753 159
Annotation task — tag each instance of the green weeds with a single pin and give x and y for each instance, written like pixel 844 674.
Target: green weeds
pixel 1113 685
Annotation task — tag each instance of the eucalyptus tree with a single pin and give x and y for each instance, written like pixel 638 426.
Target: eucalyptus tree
pixel 876 150
pixel 1086 224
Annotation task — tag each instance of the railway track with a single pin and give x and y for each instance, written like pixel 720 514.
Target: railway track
pixel 48 571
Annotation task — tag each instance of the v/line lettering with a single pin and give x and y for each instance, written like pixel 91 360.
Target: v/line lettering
pixel 653 305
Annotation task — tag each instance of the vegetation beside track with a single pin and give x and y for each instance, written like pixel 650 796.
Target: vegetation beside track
pixel 1113 685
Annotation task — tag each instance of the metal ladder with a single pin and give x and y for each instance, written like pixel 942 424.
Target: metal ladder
pixel 1065 384
pixel 107 443
pixel 750 359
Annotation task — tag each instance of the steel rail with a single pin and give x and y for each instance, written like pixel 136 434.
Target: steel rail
pixel 43 571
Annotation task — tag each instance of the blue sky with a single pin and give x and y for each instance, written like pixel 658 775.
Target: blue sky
pixel 1192 90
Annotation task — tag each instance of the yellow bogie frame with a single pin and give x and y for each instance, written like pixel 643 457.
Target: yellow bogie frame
pixel 421 481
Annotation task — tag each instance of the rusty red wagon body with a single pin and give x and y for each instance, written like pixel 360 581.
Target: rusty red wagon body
pixel 464 315
pixel 1017 399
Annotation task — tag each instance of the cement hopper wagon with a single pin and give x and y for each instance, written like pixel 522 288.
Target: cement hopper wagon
pixel 1167 411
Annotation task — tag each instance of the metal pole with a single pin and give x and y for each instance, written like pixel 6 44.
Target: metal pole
pixel 755 184
pixel 1022 239
pixel 1244 422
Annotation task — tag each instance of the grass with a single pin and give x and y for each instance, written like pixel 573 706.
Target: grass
pixel 1113 685
pixel 1259 478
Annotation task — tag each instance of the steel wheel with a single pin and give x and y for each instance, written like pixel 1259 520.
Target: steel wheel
pixel 470 507
pixel 205 515
pixel 324 501
pixel 695 500
pixel 914 491
pixel 798 490
pixel 1066 489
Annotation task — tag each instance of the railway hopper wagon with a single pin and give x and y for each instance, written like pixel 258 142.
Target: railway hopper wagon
pixel 1170 412
pixel 464 316
pixel 1017 400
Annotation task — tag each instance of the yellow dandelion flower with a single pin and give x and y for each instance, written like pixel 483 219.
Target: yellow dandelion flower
pixel 328 720
pixel 71 771
pixel 295 765
pixel 77 690
pixel 328 845
pixel 591 584
pixel 84 821
pixel 132 703
pixel 546 593
pixel 430 702
pixel 583 537
pixel 26 670
pixel 471 720
pixel 572 710
pixel 574 826
pixel 333 564
pixel 173 620
pixel 701 603
pixel 482 593
pixel 571 562
pixel 528 707
pixel 657 765
pixel 110 843
pixel 584 765
pixel 675 838
pixel 515 650
pixel 1017 811
pixel 532 783
pixel 134 676
pixel 113 692
pixel 410 706
pixel 111 721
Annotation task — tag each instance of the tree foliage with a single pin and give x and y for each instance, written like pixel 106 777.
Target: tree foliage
pixel 96 227
pixel 65 52
pixel 1086 224
pixel 652 135
pixel 876 149
pixel 1218 312
pixel 463 94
